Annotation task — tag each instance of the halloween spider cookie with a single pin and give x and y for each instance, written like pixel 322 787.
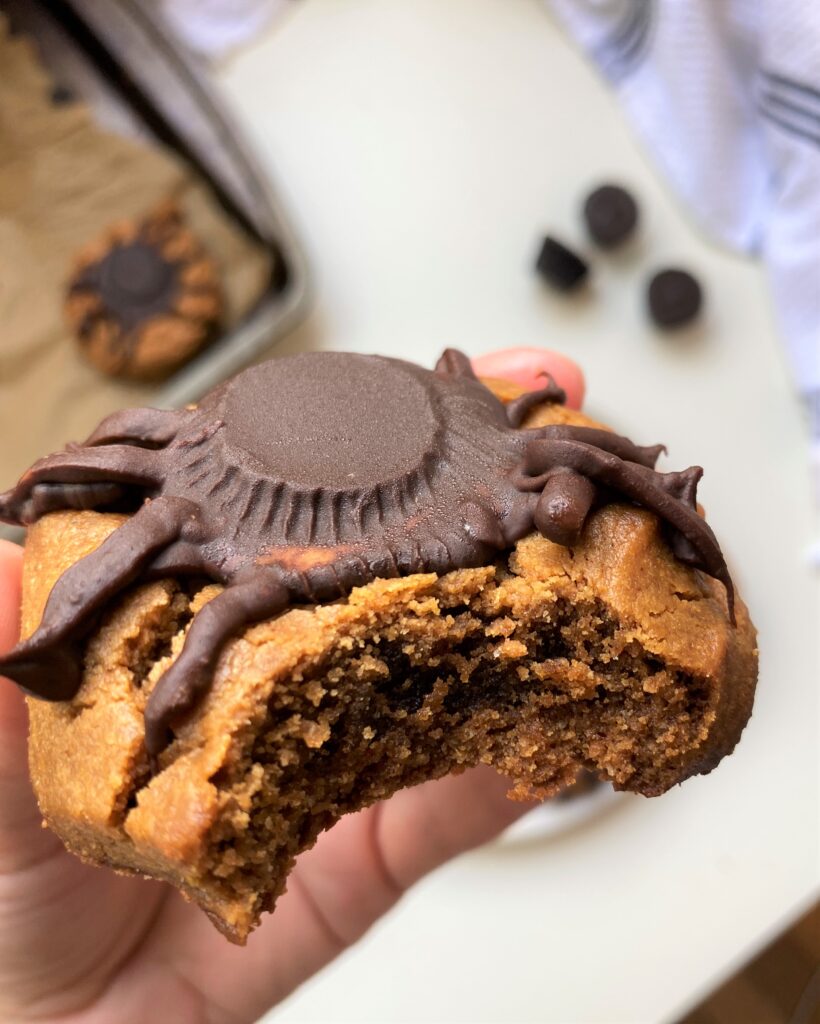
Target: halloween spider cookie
pixel 340 575
pixel 144 298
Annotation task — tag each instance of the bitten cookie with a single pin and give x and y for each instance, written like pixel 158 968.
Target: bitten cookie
pixel 145 297
pixel 526 603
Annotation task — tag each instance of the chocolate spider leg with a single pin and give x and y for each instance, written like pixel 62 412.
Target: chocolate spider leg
pixel 183 558
pixel 638 483
pixel 54 497
pixel 118 464
pixel 146 426
pixel 453 363
pixel 47 664
pixel 563 506
pixel 684 486
pixel 256 595
pixel 518 408
pixel 612 443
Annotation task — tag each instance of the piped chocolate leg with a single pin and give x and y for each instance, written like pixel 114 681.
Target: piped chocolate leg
pixel 144 426
pixel 605 439
pixel 182 558
pixel 684 486
pixel 47 664
pixel 453 363
pixel 45 498
pixel 112 464
pixel 518 408
pixel 639 484
pixel 259 595
pixel 56 497
pixel 563 506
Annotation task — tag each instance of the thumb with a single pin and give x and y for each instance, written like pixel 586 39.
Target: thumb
pixel 430 824
pixel 361 866
pixel 11 568
pixel 22 840
pixel 526 366
pixel 12 705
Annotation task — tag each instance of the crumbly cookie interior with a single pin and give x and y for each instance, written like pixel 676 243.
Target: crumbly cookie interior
pixel 535 698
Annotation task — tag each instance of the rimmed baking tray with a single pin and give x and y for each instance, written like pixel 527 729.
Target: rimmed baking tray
pixel 124 62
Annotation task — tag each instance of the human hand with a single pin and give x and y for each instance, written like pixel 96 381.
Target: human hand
pixel 86 946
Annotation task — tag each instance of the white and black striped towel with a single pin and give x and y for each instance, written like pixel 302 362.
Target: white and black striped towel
pixel 725 94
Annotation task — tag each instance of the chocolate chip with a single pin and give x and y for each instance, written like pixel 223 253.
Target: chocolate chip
pixel 674 298
pixel 611 214
pixel 134 282
pixel 61 95
pixel 560 266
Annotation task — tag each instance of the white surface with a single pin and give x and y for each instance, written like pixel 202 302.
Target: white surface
pixel 695 82
pixel 554 818
pixel 422 147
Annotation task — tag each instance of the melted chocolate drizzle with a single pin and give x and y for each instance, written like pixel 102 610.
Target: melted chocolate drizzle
pixel 135 283
pixel 306 476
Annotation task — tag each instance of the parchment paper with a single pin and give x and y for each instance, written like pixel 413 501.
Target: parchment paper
pixel 62 181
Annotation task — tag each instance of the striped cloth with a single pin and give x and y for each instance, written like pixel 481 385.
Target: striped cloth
pixel 215 27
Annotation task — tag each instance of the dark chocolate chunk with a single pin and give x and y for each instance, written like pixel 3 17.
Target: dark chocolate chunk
pixel 560 266
pixel 674 298
pixel 611 214
pixel 149 301
pixel 134 281
pixel 61 95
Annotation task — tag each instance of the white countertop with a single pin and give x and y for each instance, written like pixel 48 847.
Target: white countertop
pixel 422 146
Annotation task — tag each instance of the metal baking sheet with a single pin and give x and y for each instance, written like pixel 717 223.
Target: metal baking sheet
pixel 123 60
pixel 125 63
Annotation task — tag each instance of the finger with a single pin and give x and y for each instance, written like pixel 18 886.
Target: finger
pixel 11 570
pixel 525 366
pixel 63 925
pixel 22 840
pixel 18 809
pixel 353 875
pixel 369 859
pixel 430 824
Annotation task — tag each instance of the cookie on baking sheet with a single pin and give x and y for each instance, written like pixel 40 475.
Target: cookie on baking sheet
pixel 145 297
